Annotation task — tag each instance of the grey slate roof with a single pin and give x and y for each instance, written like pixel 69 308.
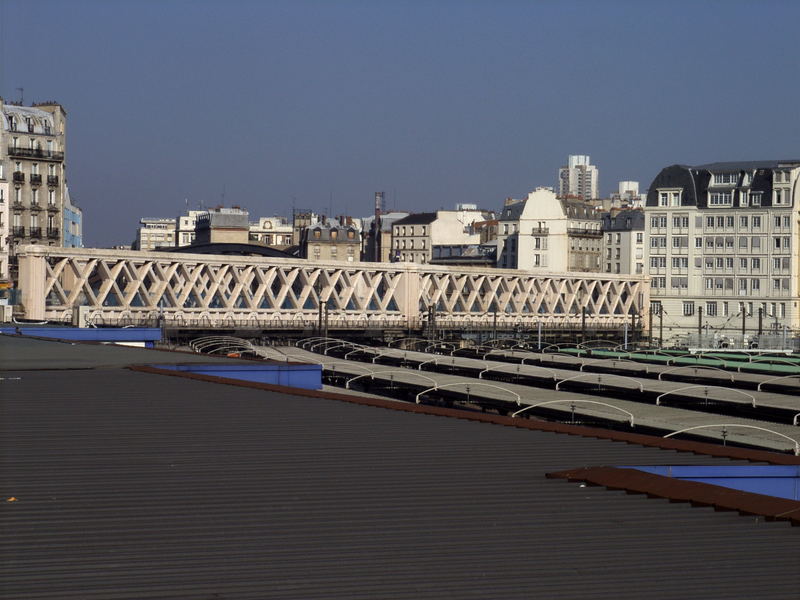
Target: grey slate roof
pixel 134 485
pixel 745 165
pixel 417 219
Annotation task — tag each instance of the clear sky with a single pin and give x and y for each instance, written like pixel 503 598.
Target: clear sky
pixel 267 105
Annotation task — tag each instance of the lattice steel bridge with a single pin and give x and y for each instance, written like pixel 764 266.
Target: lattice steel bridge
pixel 120 287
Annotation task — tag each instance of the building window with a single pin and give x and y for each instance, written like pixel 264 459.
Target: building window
pixel 720 199
pixel 755 199
pixel 711 309
pixel 639 237
pixel 688 308
pixel 755 284
pixel 725 178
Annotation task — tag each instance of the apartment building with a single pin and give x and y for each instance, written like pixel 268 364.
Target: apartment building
pixel 32 164
pixel 275 232
pixel 723 244
pixel 332 240
pixel 623 242
pixel 414 236
pixel 549 234
pixel 153 233
pixel 4 230
pixel 376 245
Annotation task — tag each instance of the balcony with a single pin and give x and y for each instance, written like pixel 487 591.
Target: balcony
pixel 18 231
pixel 52 207
pixel 35 153
pixel 540 231
pixel 19 177
pixel 36 179
pixel 52 180
pixel 36 232
pixel 592 233
pixel 52 232
pixel 35 207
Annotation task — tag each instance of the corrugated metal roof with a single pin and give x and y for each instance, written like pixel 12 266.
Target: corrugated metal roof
pixel 136 485
pixel 19 352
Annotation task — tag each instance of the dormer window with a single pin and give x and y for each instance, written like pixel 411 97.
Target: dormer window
pixel 29 124
pixel 12 123
pixel 46 125
pixel 317 233
pixel 334 234
pixel 725 178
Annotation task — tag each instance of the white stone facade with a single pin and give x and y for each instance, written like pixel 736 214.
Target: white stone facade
pixel 723 243
pixel 544 233
pixel 32 155
pixel 415 235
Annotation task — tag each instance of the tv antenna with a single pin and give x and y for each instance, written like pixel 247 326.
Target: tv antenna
pixel 21 95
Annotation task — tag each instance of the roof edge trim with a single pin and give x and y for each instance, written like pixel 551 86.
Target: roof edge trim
pixel 694 492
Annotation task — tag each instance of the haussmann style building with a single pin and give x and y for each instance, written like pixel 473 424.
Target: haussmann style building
pixel 722 248
pixel 32 176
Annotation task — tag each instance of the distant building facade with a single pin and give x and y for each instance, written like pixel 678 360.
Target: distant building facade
pixel 546 233
pixel 73 223
pixel 578 178
pixel 275 232
pixel 154 232
pixel 623 242
pixel 331 240
pixel 722 244
pixel 32 159
pixel 414 236
pixel 378 242
pixel 223 226
pixel 4 229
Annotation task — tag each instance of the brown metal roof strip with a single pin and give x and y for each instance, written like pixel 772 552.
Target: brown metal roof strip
pixel 676 490
pixel 620 436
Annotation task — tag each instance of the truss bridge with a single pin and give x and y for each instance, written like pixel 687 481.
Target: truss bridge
pixel 122 286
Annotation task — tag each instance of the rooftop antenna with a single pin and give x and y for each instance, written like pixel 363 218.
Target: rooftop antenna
pixel 222 201
pixel 21 95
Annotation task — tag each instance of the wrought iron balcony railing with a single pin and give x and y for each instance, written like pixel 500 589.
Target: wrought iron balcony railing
pixel 42 153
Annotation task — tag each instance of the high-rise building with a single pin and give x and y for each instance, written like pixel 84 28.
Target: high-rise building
pixel 578 178
pixel 32 150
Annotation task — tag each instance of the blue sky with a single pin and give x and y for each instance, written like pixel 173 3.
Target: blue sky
pixel 318 104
